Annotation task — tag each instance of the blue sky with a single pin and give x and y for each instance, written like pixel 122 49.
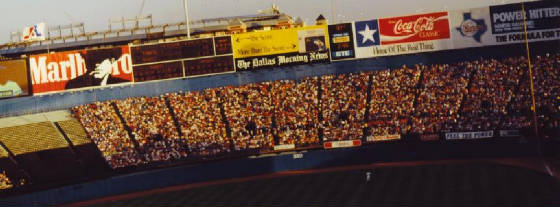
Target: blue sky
pixel 95 13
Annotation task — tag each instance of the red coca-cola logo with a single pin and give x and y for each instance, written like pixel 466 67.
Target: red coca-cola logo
pixel 414 28
pixel 421 24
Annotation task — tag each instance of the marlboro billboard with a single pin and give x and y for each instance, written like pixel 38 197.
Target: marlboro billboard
pixel 80 68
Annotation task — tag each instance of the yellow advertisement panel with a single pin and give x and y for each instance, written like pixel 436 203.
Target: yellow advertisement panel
pixel 263 43
pixel 13 78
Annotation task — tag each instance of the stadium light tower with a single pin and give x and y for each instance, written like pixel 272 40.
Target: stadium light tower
pixel 187 19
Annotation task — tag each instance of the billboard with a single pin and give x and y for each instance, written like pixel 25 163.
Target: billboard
pixel 264 49
pixel 341 41
pixel 13 78
pixel 503 24
pixel 80 68
pixel 33 33
pixel 542 19
pixel 415 28
pixel 470 28
pixel 402 35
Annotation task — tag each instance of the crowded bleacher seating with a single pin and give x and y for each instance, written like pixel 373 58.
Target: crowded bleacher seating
pixel 152 127
pixel 442 90
pixel 104 127
pixel 343 105
pixel 392 100
pixel 249 112
pixel 484 94
pixel 200 120
pixel 296 111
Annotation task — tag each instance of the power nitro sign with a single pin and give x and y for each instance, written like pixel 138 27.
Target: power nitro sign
pixel 80 68
pixel 432 26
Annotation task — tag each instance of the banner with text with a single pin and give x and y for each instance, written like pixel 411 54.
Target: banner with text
pixel 80 68
pixel 263 49
pixel 469 135
pixel 542 19
pixel 342 144
pixel 13 78
pixel 503 24
pixel 402 35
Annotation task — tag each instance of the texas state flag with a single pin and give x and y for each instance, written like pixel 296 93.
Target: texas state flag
pixel 367 33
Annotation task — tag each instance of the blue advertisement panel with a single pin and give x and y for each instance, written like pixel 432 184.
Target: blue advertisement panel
pixel 342 41
pixel 539 15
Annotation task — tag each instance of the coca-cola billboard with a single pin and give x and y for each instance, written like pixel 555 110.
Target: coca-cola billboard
pixel 80 68
pixel 422 27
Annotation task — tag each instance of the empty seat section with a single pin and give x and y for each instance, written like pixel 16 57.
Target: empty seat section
pixel 74 131
pixel 32 138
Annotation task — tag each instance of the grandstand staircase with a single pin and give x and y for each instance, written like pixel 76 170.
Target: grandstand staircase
pixel 63 135
pixel 126 127
pixel 173 116
pixel 226 122
pixel 368 107
pixel 320 114
pixel 176 121
pixel 419 88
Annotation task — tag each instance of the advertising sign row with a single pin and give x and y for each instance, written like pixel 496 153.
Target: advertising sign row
pixel 477 27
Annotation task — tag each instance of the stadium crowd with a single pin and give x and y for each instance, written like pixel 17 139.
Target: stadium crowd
pixel 442 90
pixel 296 111
pixel 153 128
pixel 249 112
pixel 104 127
pixel 547 96
pixel 200 120
pixel 343 105
pixel 485 94
pixel 392 100
pixel 491 88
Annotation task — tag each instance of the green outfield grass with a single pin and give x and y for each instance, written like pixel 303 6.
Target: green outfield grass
pixel 428 185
